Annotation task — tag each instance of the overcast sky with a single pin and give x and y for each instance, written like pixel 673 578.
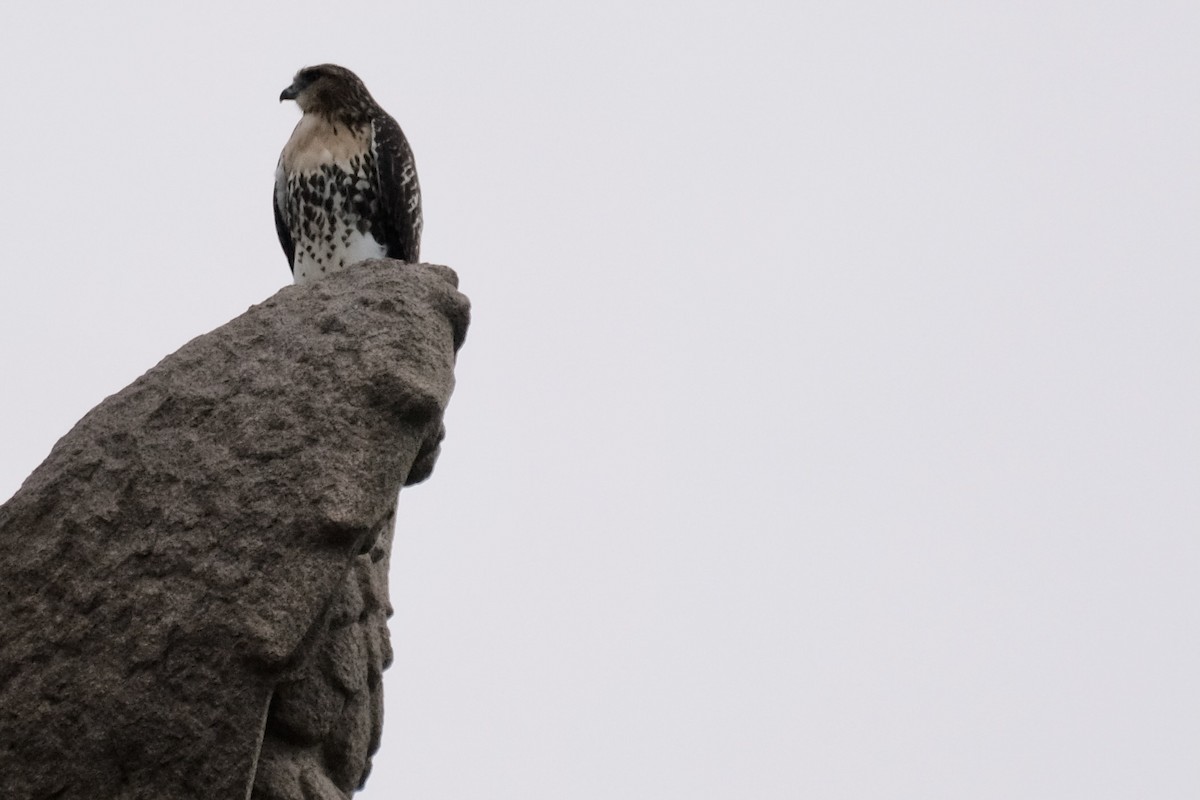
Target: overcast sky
pixel 829 425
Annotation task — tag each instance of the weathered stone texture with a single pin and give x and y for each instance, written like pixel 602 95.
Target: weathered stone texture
pixel 193 585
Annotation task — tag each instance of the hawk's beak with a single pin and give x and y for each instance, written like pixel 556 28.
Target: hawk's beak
pixel 289 93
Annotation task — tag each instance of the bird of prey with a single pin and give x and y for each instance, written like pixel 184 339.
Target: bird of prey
pixel 346 185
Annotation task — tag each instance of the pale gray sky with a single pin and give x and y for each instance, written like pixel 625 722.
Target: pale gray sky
pixel 829 422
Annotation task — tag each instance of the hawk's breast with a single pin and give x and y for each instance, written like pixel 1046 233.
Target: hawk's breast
pixel 327 187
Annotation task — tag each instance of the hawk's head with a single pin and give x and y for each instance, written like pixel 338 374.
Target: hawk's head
pixel 331 91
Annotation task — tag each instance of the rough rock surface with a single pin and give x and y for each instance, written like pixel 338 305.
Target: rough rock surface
pixel 193 585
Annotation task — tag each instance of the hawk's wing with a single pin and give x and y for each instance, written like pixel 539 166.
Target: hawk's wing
pixel 399 191
pixel 281 226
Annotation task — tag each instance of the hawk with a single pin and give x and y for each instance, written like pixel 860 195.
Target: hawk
pixel 346 185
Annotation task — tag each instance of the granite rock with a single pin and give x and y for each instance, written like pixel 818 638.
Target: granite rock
pixel 193 585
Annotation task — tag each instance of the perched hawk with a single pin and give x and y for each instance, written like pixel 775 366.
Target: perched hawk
pixel 346 186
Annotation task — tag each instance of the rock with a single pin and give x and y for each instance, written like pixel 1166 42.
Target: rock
pixel 193 585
